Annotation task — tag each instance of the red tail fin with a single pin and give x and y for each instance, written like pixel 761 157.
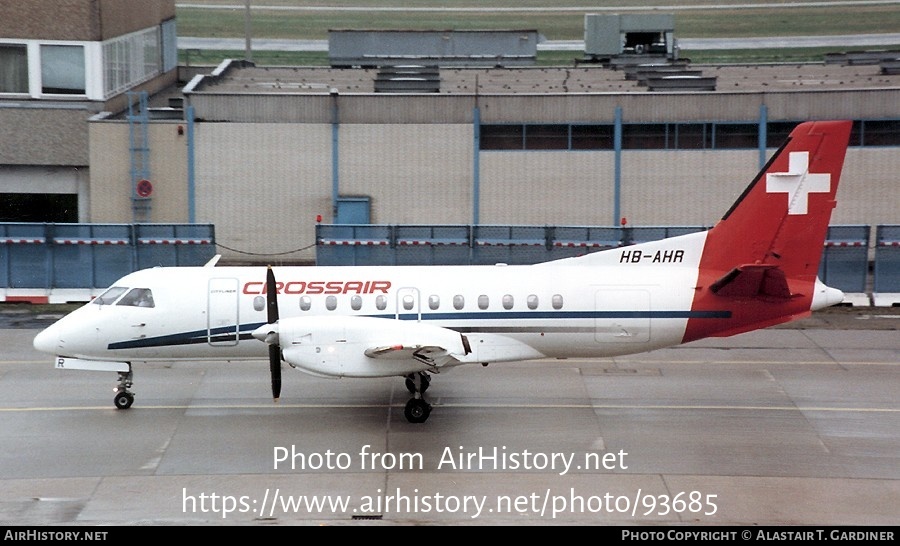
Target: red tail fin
pixel 761 260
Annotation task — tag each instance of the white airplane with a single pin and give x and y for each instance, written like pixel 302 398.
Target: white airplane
pixel 755 268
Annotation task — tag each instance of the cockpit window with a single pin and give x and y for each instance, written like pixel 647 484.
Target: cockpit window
pixel 138 297
pixel 108 297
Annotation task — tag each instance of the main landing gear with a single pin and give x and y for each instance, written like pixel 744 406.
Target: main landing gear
pixel 124 398
pixel 417 409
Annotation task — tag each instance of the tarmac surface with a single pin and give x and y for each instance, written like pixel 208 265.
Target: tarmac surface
pixel 793 425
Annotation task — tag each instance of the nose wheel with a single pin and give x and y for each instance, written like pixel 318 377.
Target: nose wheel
pixel 417 409
pixel 124 398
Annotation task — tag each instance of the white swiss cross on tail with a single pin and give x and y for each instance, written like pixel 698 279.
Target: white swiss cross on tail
pixel 798 182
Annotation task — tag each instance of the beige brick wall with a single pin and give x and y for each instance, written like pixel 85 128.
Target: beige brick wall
pixel 82 20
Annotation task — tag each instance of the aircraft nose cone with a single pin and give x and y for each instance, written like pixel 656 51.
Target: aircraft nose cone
pixel 47 341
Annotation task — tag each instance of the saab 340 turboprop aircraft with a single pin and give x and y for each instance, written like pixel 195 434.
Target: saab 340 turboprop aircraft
pixel 755 268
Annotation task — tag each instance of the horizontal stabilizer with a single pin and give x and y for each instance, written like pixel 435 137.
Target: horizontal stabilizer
pixel 753 281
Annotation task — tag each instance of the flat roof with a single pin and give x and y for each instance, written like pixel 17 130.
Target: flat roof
pixel 583 78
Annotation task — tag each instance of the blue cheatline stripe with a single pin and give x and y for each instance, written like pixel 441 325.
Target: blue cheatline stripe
pixel 559 315
pixel 188 338
pixel 228 333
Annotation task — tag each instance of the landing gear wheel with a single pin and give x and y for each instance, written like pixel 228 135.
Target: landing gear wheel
pixel 123 400
pixel 417 410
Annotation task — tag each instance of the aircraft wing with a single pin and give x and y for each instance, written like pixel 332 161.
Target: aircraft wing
pixel 368 346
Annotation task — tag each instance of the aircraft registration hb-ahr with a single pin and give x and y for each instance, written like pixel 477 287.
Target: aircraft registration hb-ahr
pixel 755 268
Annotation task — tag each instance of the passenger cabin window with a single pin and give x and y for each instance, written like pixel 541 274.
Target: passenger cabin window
pixel 137 297
pixel 532 301
pixel 507 301
pixel 483 301
pixel 381 302
pixel 305 303
pixel 434 301
pixel 408 302
pixel 459 302
pixel 556 301
pixel 331 303
pixel 259 303
pixel 356 302
pixel 111 295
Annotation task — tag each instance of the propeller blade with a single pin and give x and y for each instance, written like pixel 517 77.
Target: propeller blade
pixel 271 297
pixel 275 368
pixel 272 318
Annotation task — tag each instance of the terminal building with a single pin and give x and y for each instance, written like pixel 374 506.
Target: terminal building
pixel 267 155
pixel 273 149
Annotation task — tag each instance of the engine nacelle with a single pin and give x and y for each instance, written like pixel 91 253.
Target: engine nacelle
pixel 367 346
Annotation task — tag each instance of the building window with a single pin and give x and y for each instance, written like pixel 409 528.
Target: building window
pixel 668 136
pixel 592 137
pixel 13 68
pixel 736 135
pixel 777 132
pixel 62 70
pixel 692 136
pixel 502 137
pixel 546 137
pixel 880 133
pixel 132 59
pixel 644 136
pixel 536 136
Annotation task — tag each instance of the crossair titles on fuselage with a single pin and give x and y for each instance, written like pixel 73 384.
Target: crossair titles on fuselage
pixel 320 287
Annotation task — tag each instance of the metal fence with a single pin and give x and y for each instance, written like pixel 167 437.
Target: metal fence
pixel 886 268
pixel 472 245
pixel 74 261
pixel 846 262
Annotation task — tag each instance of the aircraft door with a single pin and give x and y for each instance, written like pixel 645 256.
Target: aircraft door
pixel 408 304
pixel 222 313
pixel 623 316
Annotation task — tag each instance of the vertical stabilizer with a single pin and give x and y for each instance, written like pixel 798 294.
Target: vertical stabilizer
pixel 760 261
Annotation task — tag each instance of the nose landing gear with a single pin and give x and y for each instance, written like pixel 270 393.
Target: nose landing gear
pixel 124 398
